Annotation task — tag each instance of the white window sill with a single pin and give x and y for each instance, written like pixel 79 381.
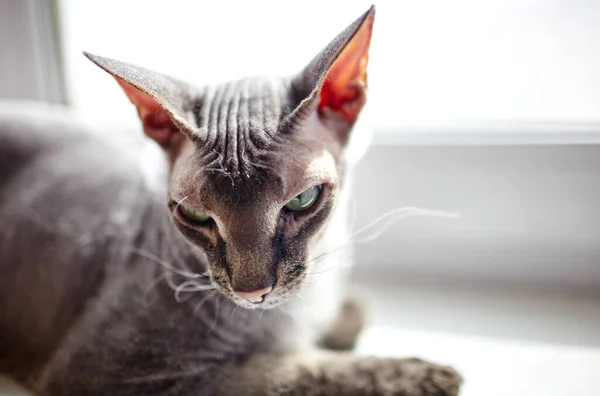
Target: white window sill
pixel 489 133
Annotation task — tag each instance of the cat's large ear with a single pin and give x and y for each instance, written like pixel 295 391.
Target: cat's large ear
pixel 159 99
pixel 335 82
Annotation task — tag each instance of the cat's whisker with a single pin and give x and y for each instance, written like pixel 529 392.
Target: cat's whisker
pixel 233 311
pixel 314 264
pixel 303 303
pixel 215 170
pixel 392 217
pixel 354 211
pixel 180 202
pixel 171 281
pixel 321 257
pixel 214 325
pixel 165 376
pixel 168 266
pixel 382 224
pixel 319 272
pixel 288 314
pixel 221 168
pixel 185 298
pixel 245 158
pixel 259 165
pixel 154 283
pixel 203 301
pixel 189 286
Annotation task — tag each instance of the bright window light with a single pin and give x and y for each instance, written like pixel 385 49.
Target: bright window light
pixel 432 61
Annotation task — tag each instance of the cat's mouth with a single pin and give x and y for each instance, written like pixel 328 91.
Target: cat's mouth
pixel 265 298
pixel 269 300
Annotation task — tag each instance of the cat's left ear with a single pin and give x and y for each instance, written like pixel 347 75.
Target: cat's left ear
pixel 161 101
pixel 335 82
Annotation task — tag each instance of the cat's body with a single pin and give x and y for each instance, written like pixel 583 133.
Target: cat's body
pixel 106 264
pixel 102 293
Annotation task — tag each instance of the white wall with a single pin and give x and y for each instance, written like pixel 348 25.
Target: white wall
pixel 530 213
pixel 30 51
pixel 19 61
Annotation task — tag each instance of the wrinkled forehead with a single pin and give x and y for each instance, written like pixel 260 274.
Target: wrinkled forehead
pixel 281 171
pixel 239 140
pixel 250 108
pixel 241 190
pixel 241 155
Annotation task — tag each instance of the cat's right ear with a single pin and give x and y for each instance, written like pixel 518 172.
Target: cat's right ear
pixel 159 99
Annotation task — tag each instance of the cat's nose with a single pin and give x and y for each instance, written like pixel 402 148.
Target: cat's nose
pixel 255 296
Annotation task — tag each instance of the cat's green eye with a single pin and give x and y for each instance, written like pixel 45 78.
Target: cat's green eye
pixel 193 215
pixel 304 200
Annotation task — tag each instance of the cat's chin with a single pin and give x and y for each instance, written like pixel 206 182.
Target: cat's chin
pixel 250 305
pixel 281 293
pixel 271 301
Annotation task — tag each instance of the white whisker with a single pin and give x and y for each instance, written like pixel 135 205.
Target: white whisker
pixel 180 202
pixel 189 286
pixel 395 215
pixel 168 266
pixel 288 314
pixel 154 282
pixel 378 227
pixel 214 326
pixel 319 272
pixel 303 303
pixel 354 212
pixel 233 311
pixel 166 376
pixel 203 301
pixel 171 281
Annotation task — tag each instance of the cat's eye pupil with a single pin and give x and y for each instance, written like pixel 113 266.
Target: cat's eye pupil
pixel 193 215
pixel 305 200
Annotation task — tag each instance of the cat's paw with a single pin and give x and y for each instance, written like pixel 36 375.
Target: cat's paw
pixel 346 328
pixel 414 377
pixel 441 381
pixel 352 375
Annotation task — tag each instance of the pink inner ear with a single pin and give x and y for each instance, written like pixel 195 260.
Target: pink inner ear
pixel 344 88
pixel 155 120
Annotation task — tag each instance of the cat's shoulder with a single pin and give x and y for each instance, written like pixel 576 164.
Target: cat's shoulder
pixel 52 141
pixel 36 123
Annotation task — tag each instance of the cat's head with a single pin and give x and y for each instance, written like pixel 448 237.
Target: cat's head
pixel 256 164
